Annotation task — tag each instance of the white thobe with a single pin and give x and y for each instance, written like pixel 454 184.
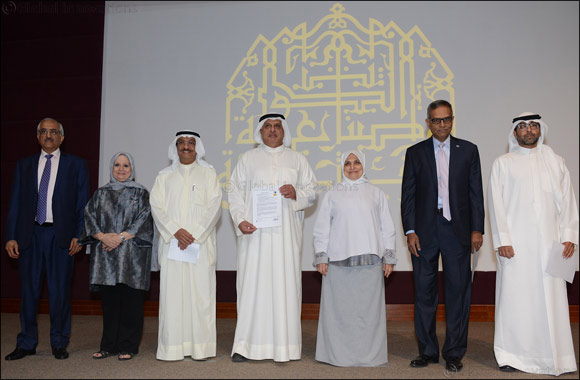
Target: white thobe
pixel 532 324
pixel 188 197
pixel 269 276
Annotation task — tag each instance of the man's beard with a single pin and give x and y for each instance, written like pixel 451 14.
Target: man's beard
pixel 527 141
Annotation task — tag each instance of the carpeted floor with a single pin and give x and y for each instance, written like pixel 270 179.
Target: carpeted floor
pixel 479 362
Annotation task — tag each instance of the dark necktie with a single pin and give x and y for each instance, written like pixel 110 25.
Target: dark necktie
pixel 43 191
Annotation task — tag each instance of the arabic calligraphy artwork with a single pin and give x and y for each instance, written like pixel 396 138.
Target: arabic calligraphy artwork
pixel 341 85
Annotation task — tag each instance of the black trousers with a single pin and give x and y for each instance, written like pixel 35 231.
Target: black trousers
pixel 122 318
pixel 456 260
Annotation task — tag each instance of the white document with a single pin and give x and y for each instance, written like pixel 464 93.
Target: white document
pixel 558 266
pixel 474 264
pixel 267 208
pixel 189 254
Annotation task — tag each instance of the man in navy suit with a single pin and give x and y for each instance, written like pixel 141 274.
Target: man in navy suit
pixel 443 213
pixel 45 217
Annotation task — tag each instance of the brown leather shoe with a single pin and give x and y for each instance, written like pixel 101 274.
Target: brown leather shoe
pixel 19 353
pixel 423 361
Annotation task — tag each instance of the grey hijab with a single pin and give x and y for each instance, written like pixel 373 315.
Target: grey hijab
pixel 114 184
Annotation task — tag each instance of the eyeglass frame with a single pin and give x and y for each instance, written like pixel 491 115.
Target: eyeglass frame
pixel 523 126
pixel 438 120
pixel 52 132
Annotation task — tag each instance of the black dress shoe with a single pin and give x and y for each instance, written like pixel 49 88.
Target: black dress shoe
pixel 423 361
pixel 19 353
pixel 507 368
pixel 453 364
pixel 237 358
pixel 60 353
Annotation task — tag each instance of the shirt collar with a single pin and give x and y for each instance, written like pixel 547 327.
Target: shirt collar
pixel 55 154
pixel 272 150
pixel 445 143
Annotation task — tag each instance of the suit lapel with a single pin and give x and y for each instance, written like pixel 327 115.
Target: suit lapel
pixel 35 160
pixel 430 152
pixel 62 164
pixel 454 153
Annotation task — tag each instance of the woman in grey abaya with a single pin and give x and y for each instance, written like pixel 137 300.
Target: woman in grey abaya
pixel 354 241
pixel 118 230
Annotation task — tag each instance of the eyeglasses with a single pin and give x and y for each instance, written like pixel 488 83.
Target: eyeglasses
pixel 524 126
pixel 437 121
pixel 185 142
pixel 52 132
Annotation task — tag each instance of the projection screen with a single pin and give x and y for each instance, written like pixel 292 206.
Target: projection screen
pixel 346 75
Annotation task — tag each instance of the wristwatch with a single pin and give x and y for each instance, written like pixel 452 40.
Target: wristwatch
pixel 122 237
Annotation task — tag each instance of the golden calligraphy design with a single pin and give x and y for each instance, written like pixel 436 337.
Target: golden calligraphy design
pixel 341 85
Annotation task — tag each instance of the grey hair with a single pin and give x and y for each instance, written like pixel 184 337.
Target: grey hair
pixel 437 104
pixel 50 119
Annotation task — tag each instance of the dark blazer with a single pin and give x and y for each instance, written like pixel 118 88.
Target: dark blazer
pixel 419 190
pixel 71 194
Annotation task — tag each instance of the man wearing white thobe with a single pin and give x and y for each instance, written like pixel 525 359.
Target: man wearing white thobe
pixel 185 202
pixel 531 205
pixel 269 276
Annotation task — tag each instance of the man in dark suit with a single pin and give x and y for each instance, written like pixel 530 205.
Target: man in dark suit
pixel 443 213
pixel 45 217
